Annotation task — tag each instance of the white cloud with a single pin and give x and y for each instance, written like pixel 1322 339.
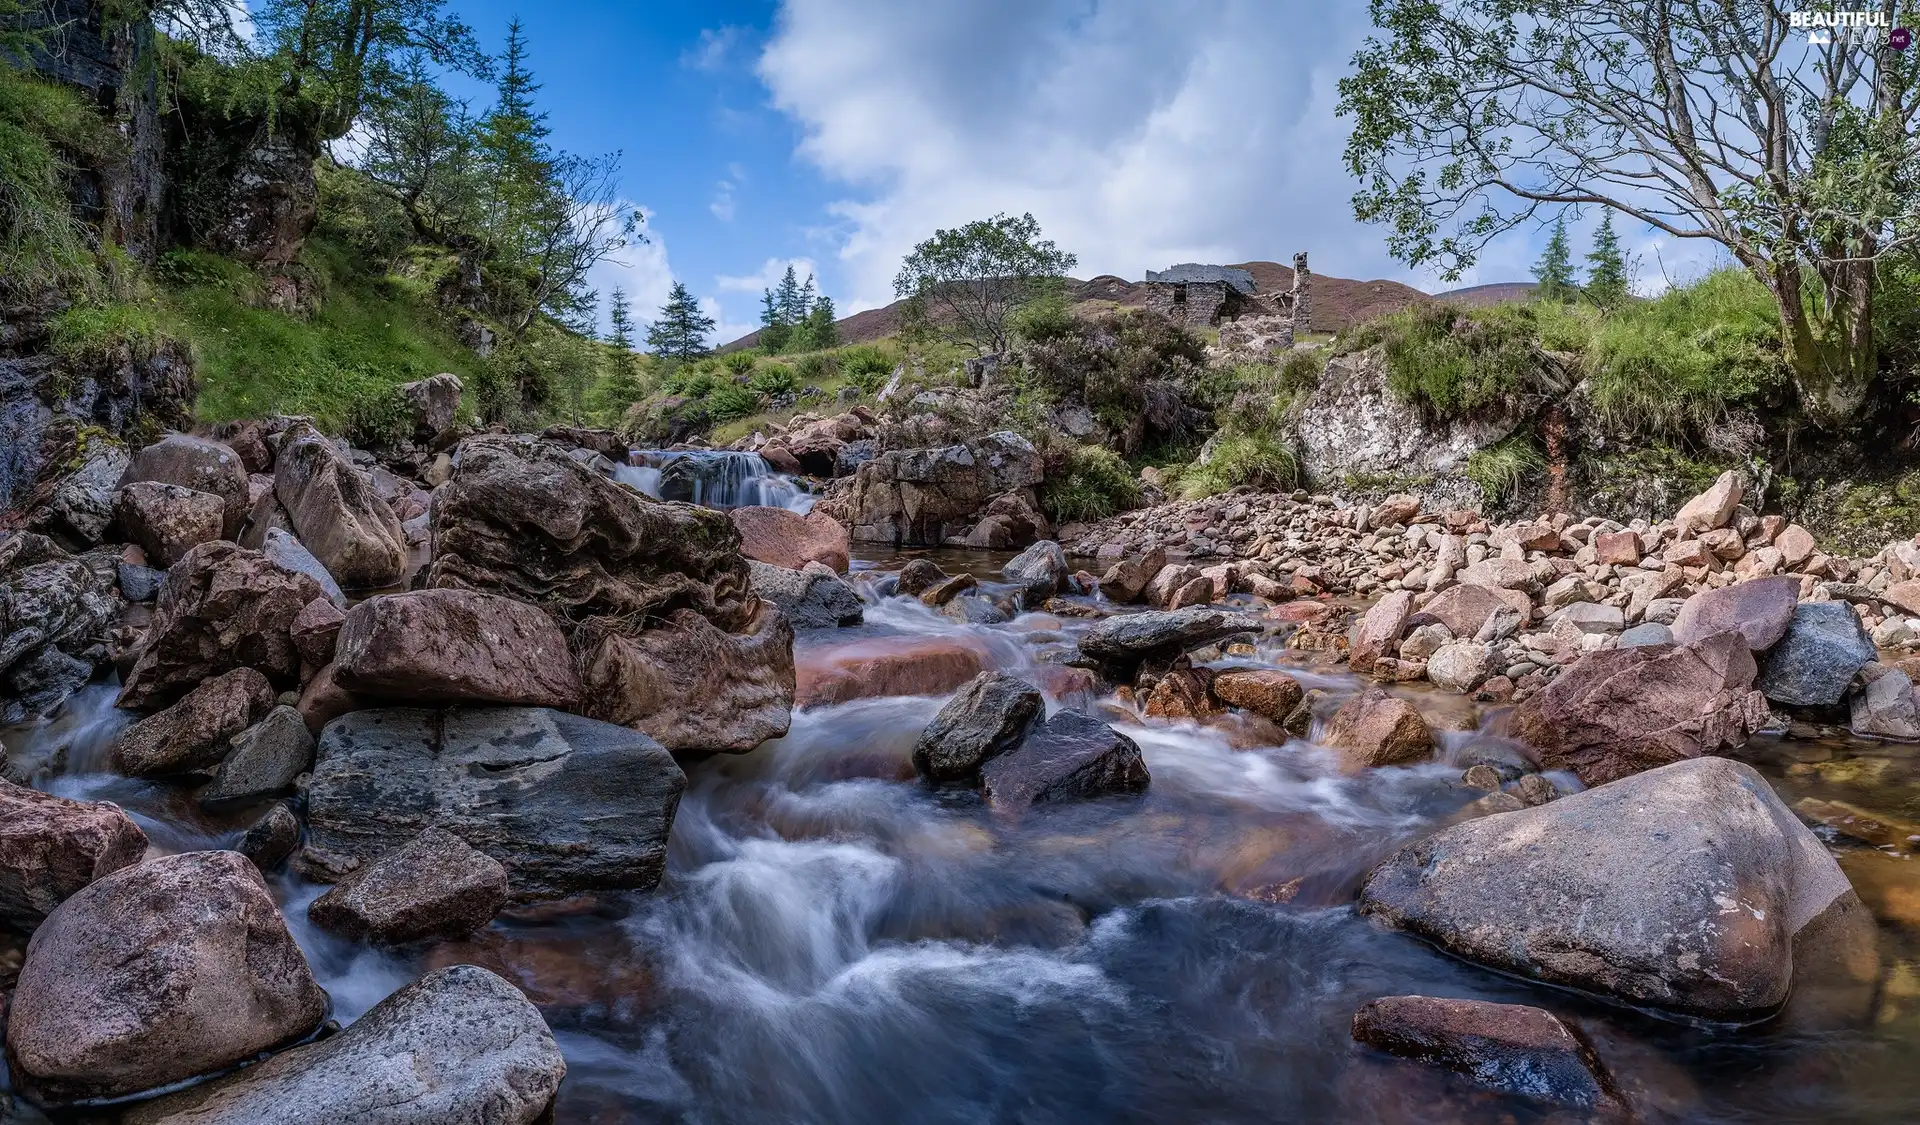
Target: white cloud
pixel 766 277
pixel 716 45
pixel 641 268
pixel 722 203
pixel 724 331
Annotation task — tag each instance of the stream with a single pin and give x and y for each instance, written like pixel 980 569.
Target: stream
pixel 835 942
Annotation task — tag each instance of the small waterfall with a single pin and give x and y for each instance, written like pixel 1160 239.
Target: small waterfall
pixel 714 478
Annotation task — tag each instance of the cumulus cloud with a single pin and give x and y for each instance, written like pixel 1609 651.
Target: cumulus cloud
pixel 766 277
pixel 641 269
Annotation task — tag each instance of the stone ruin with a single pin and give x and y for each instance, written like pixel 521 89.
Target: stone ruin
pixel 1205 296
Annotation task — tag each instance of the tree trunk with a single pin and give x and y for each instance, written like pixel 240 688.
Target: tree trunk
pixel 1830 352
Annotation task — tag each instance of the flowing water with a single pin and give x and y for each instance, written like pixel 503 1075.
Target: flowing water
pixel 836 943
pixel 715 478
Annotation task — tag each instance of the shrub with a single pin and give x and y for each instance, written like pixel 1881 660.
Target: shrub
pixel 1047 317
pixel 1500 469
pixel 1093 484
pixel 774 379
pixel 1450 364
pixel 740 362
pixel 1254 460
pixel 728 401
pixel 1676 363
pixel 1299 373
pixel 817 367
pixel 866 366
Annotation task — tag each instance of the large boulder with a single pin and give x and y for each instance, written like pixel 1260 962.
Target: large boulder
pixel 1122 643
pixel 1040 572
pixel 81 506
pixel 813 597
pixel 454 646
pixel 156 973
pixel 50 847
pixel 166 521
pixel 335 512
pixel 56 619
pixel 191 735
pixel 433 886
pixel 568 805
pixel 1888 708
pixel 221 607
pixel 1813 665
pixel 459 1046
pixel 1680 888
pixel 1126 580
pixel 989 717
pixel 1377 632
pixel 690 684
pixel 1378 729
pixel 199 464
pixel 1512 1048
pixel 1759 611
pixel 1352 424
pixel 789 539
pixel 922 497
pixel 1619 711
pixel 1071 755
pixel 433 406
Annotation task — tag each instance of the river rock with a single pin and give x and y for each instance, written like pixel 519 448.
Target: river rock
pixel 990 716
pixel 199 464
pixel 1679 888
pixel 1126 580
pixel 1465 609
pixel 1040 572
pixel 1461 666
pixel 268 841
pixel 335 512
pixel 433 405
pixel 222 607
pixel 315 632
pixel 1269 694
pixel 192 734
pixel 1378 729
pixel 432 886
pixel 783 538
pixel 1121 643
pixel 459 1046
pixel 1071 755
pixel 919 576
pixel 812 598
pixel 166 521
pixel 56 618
pixel 280 545
pixel 81 507
pixel 1714 507
pixel 1592 617
pixel 1377 632
pixel 153 974
pixel 1888 708
pixel 922 497
pixel 50 847
pixel 569 805
pixel 264 759
pixel 1812 666
pixel 689 684
pixel 884 666
pixel 1646 633
pixel 1512 1048
pixel 1759 611
pixel 1620 711
pixel 454 646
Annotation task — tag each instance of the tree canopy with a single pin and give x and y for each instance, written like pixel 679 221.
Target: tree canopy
pixel 966 282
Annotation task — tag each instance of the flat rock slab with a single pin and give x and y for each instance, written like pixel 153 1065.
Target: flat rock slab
pixel 568 805
pixel 1070 755
pixel 1512 1048
pixel 1128 639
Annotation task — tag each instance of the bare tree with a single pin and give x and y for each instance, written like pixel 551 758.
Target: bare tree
pixel 578 224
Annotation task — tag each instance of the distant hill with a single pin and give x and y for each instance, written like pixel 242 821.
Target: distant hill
pixel 1338 302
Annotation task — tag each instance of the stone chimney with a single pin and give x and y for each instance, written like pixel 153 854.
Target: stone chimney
pixel 1302 296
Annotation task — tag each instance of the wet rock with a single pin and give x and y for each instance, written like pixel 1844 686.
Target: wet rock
pixel 1534 789
pixel 322 700
pixel 922 497
pixel 689 684
pixel 336 513
pixel 1071 755
pixel 199 464
pixel 812 598
pixel 948 589
pixel 1714 507
pixel 1377 632
pixel 264 759
pixel 1481 776
pixel 1877 829
pixel 315 632
pixel 1759 611
pixel 271 839
pixel 1170 580
pixel 1126 580
pixel 166 521
pixel 1620 711
pixel 1461 666
pixel 460 1046
pixel 782 538
pixel 157 973
pixel 81 506
pixel 1198 591
pixel 56 617
pixel 869 669
pixel 139 583
pixel 192 734
pixel 568 805
pixel 1040 572
pixel 432 886
pixel 1269 694
pixel 1812 666
pixel 50 847
pixel 222 607
pixel 1464 609
pixel 1512 1048
pixel 989 716
pixel 434 406
pixel 1680 888
pixel 1378 729
pixel 1183 693
pixel 454 646
pixel 1888 709
pixel 279 545
pixel 971 609
pixel 1121 643
pixel 919 576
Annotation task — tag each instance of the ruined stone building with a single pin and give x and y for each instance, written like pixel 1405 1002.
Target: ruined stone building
pixel 1203 296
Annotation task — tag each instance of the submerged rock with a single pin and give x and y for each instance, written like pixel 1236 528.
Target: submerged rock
pixel 882 666
pixel 989 717
pixel 1071 755
pixel 1512 1048
pixel 432 886
pixel 454 646
pixel 51 847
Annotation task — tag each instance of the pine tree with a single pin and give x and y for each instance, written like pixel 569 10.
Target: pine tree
pixel 1554 271
pixel 682 329
pixel 1607 275
pixel 620 321
pixel 789 299
pixel 775 332
pixel 820 330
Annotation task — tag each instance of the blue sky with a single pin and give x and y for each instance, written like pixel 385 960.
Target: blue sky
pixel 837 133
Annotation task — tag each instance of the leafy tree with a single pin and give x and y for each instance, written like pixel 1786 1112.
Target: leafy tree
pixel 1606 267
pixel 966 282
pixel 420 149
pixel 1554 271
pixel 820 330
pixel 682 329
pixel 1712 122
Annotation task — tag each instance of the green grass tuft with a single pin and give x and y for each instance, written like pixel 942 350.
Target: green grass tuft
pixel 1252 460
pixel 1501 469
pixel 1094 484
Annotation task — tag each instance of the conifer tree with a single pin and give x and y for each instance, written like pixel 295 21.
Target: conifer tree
pixel 821 332
pixel 775 332
pixel 682 329
pixel 1607 272
pixel 1554 271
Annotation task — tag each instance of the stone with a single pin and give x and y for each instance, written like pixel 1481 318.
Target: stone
pixel 459 1046
pixel 57 613
pixel 1269 694
pixel 1377 633
pixel 948 589
pixel 1759 611
pixel 885 666
pixel 688 683
pixel 783 538
pixel 1617 548
pixel 1796 546
pixel 198 464
pixel 971 609
pixel 434 886
pixel 322 700
pixel 1353 424
pixel 1813 665
pixel 1505 574
pixel 1714 507
pixel 1399 508
pixel 280 545
pixel 336 513
pixel 434 407
pixel 222 607
pixel 1378 729
pixel 153 974
pixel 568 805
pixel 1122 642
pixel 919 576
pixel 1592 618
pixel 1423 641
pixel 1887 709
pixel 1534 789
pixel 1461 666
pixel 990 716
pixel 1647 633
pixel 1758 563
pixel 81 506
pixel 1071 755
pixel 264 759
pixel 1903 595
pixel 192 734
pixel 1680 888
pixel 1512 1048
pixel 922 497
pixel 315 632
pixel 1616 712
pixel 454 646
pixel 1126 580
pixel 1182 693
pixel 268 841
pixel 166 521
pixel 1198 592
pixel 139 583
pixel 1039 572
pixel 812 598
pixel 1465 609
pixel 1168 581
pixel 51 847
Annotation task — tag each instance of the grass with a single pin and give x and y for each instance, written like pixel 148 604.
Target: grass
pixel 1252 460
pixel 1675 363
pixel 1093 484
pixel 1451 364
pixel 46 128
pixel 1501 469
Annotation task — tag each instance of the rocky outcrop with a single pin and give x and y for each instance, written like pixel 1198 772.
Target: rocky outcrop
pixel 1511 1048
pixel 460 1046
pixel 1071 755
pixel 199 464
pixel 1680 888
pixel 454 646
pixel 433 407
pixel 990 716
pixel 154 974
pixel 1352 424
pixel 56 616
pixel 813 597
pixel 783 538
pixel 924 497
pixel 51 847
pixel 192 734
pixel 336 513
pixel 432 886
pixel 568 805
pixel 688 683
pixel 166 521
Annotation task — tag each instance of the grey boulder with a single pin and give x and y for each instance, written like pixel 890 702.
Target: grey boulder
pixel 263 759
pixel 1071 755
pixel 1040 571
pixel 813 597
pixel 1825 647
pixel 1124 641
pixel 989 717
